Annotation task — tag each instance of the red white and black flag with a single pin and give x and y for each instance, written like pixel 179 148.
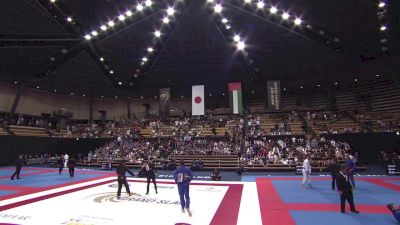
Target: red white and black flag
pixel 165 96
pixel 198 100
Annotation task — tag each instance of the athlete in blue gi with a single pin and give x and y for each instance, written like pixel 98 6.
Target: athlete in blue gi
pixel 183 176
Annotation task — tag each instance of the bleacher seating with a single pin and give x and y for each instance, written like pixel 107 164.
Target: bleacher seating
pixel 28 131
pixel 3 132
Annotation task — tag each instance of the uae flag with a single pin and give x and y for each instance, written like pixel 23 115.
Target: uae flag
pixel 235 98
pixel 198 100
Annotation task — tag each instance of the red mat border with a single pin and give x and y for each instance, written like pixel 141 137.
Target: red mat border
pixel 275 212
pixel 227 212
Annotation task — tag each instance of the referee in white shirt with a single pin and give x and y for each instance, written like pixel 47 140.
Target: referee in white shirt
pixel 306 172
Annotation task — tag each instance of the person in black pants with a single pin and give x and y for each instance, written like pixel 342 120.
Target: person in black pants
pixel 334 168
pixel 121 170
pixel 345 190
pixel 18 166
pixel 71 167
pixel 150 174
pixel 60 164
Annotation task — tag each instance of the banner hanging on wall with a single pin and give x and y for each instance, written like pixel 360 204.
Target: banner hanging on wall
pixel 235 98
pixel 274 95
pixel 198 100
pixel 165 98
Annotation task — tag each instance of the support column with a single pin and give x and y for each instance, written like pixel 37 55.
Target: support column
pixel 91 111
pixel 15 103
pixel 128 106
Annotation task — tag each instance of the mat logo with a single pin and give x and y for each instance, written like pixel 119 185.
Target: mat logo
pixel 182 224
pixel 210 189
pixel 115 185
pixel 12 216
pixel 111 197
pixel 165 187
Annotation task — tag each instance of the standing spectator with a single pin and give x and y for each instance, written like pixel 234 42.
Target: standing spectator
pixel 306 172
pixel 18 166
pixel 71 167
pixel 150 174
pixel 60 164
pixel 345 190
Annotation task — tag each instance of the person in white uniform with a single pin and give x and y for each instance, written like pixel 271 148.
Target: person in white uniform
pixel 66 157
pixel 306 172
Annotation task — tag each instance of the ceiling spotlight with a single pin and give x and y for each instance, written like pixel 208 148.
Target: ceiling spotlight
pixel 52 1
pixel 121 17
pixel 111 23
pixel 218 8
pixel 165 20
pixel 285 16
pixel 336 83
pixel 157 33
pixel 240 45
pixel 247 1
pixel 228 27
pixel 381 4
pixel 170 11
pixel 139 7
pixel 377 75
pixel 236 38
pixel 94 33
pixel 88 37
pixel 144 59
pixel 355 80
pixel 224 20
pixel 102 59
pixel 69 19
pixel 148 3
pixel 120 83
pixel 318 85
pixel 260 4
pixel 111 71
pixel 297 21
pixel 15 82
pixel 301 87
pixel 273 10
pixel 210 1
pixel 37 87
pixel 103 27
pixel 150 49
pixel 128 13
pixel 383 28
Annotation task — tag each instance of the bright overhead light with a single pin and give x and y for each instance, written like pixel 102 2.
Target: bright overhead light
pixel 247 1
pixel 37 87
pixel 150 49
pixel 128 13
pixel 240 45
pixel 94 33
pixel 383 28
pixel 236 38
pixel 103 27
pixel 210 1
pixel 377 75
pixel 52 1
pixel 148 3
pixel 285 16
pixel 382 4
pixel 260 4
pixel 139 7
pixel 273 10
pixel 165 20
pixel 88 37
pixel 218 8
pixel 102 59
pixel 111 23
pixel 69 19
pixel 111 71
pixel 157 33
pixel 170 11
pixel 228 27
pixel 297 21
pixel 121 17
pixel 224 20
pixel 120 83
pixel 144 59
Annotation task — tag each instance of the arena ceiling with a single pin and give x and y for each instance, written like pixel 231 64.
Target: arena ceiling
pixel 44 43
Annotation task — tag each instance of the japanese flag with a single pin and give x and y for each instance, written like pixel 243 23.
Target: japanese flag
pixel 198 100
